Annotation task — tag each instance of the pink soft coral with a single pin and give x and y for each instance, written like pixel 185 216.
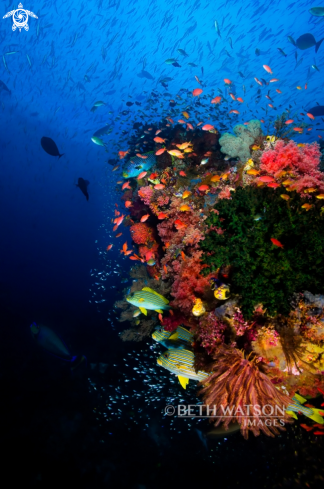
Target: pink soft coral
pixel 146 194
pixel 210 332
pixel 302 162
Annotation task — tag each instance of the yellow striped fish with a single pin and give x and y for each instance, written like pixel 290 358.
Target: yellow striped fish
pixel 148 299
pixel 180 362
pixel 297 407
pixel 175 339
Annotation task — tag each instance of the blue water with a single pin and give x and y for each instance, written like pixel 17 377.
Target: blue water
pixel 53 241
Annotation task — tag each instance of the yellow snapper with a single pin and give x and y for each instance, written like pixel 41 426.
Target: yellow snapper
pixel 297 407
pixel 179 338
pixel 148 299
pixel 180 362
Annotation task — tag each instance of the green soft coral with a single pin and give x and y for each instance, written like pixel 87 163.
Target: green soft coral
pixel 262 272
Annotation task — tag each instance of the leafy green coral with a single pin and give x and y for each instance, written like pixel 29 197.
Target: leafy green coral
pixel 262 272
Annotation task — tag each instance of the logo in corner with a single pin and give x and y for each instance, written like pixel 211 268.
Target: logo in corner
pixel 20 18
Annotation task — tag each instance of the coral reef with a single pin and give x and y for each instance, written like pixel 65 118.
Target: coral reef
pixel 237 249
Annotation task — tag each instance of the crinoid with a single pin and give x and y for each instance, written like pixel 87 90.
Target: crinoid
pixel 238 391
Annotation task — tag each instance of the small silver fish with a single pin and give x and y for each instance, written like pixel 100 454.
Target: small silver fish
pixel 204 161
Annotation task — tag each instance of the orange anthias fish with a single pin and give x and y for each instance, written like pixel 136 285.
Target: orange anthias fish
pixel 115 168
pixel 145 218
pixel 141 156
pixel 162 216
pixel 232 96
pixel 190 126
pixel 276 242
pixel 267 68
pixel 182 173
pixel 215 178
pixel 290 121
pixel 273 185
pixel 307 206
pixel 181 121
pixel 207 127
pixel 310 115
pixel 183 145
pixel 126 185
pixel 109 247
pixel 142 175
pixel 176 152
pixel 159 186
pixel 118 235
pixel 227 81
pixel 279 91
pixel 233 112
pixel 216 100
pixel 128 204
pixel 179 224
pixel 298 129
pixel 122 154
pixel 196 92
pixel 184 208
pixel 153 176
pixel 239 99
pixel 186 115
pixel 119 220
pixel 186 194
pixel 160 151
pixel 159 140
pixel 203 188
pixel 266 179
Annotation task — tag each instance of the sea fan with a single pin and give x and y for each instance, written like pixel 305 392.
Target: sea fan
pixel 240 392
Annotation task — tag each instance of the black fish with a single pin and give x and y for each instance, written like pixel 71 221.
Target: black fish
pixel 145 74
pixel 176 64
pixel 129 104
pixel 307 41
pixel 83 186
pixel 4 87
pixel 112 161
pixel 50 147
pixel 317 111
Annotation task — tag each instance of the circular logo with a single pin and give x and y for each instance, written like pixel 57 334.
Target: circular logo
pixel 20 18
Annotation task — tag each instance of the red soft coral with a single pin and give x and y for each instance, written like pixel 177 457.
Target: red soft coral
pixel 141 233
pixel 170 323
pixel 188 283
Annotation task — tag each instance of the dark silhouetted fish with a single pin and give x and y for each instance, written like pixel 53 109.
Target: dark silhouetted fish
pixel 83 186
pixel 145 74
pixel 317 111
pixel 112 161
pixel 51 342
pixel 100 132
pixel 4 87
pixel 307 41
pixel 50 147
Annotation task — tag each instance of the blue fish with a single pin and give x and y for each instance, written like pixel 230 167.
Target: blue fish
pixel 136 165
